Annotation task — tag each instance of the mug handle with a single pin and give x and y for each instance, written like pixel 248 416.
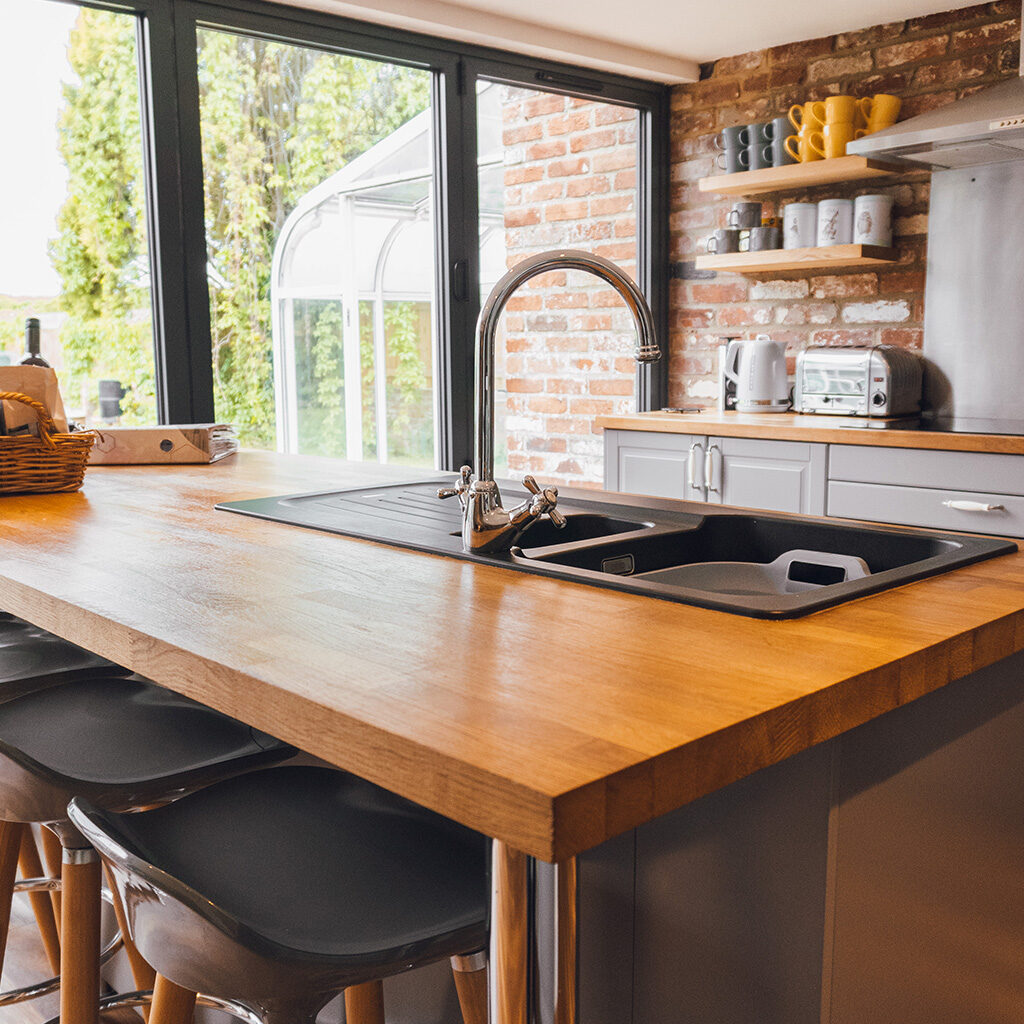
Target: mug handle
pixel 769 131
pixel 743 156
pixel 718 143
pixel 796 116
pixel 767 154
pixel 819 149
pixel 822 117
pixel 861 132
pixel 864 105
pixel 718 161
pixel 744 137
pixel 713 240
pixel 792 143
pixel 729 217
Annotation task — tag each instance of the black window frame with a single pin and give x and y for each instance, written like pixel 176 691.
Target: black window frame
pixel 169 90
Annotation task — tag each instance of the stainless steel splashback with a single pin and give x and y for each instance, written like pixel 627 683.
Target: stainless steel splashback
pixel 974 294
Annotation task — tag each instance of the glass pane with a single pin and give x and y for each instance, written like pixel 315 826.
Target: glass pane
pixel 318 179
pixel 75 251
pixel 557 172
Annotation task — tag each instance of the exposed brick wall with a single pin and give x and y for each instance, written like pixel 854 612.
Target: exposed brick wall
pixel 570 180
pixel 929 61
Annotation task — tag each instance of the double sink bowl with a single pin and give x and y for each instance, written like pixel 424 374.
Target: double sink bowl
pixel 758 564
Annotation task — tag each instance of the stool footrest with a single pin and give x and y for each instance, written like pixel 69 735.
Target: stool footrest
pixel 129 1000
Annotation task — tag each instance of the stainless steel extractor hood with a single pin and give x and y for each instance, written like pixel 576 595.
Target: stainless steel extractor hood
pixel 986 128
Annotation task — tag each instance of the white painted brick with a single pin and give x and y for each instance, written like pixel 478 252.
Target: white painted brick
pixel 881 312
pixel 779 290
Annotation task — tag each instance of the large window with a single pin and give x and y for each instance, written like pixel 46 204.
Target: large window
pixel 283 219
pixel 74 244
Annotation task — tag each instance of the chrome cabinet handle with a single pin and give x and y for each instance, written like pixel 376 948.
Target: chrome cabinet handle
pixel 974 506
pixel 709 469
pixel 691 466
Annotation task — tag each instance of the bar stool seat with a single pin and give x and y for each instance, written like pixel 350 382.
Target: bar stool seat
pixel 125 743
pixel 281 889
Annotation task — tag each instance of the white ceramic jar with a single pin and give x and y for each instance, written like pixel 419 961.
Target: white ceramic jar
pixel 872 220
pixel 800 225
pixel 835 222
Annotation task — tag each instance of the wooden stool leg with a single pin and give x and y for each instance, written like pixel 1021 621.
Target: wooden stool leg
pixel 10 848
pixel 42 907
pixel 364 1004
pixel 470 974
pixel 80 938
pixel 509 937
pixel 171 1004
pixel 52 856
pixel 144 975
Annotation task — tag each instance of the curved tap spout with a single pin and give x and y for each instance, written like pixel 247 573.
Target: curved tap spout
pixel 486 526
pixel 647 350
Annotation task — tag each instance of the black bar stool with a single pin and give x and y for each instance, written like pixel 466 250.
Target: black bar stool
pixel 30 659
pixel 280 889
pixel 124 743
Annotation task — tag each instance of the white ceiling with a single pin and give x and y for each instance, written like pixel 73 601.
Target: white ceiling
pixel 663 40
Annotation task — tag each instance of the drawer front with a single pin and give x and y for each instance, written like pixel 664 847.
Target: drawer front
pixel 909 467
pixel 923 506
pixel 638 462
pixel 779 476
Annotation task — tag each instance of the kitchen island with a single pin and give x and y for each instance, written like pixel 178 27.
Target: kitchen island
pixel 549 715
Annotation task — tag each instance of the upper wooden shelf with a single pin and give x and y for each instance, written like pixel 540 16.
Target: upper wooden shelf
pixel 795 176
pixel 823 256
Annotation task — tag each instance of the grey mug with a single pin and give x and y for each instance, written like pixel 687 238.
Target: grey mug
pixel 745 216
pixel 724 240
pixel 764 238
pixel 781 130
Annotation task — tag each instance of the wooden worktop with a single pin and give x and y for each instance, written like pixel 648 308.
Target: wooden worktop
pixel 808 427
pixel 548 714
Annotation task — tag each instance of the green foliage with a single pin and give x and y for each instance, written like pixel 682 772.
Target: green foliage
pixel 276 121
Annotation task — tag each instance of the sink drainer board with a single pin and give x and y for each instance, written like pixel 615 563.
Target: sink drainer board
pixel 758 564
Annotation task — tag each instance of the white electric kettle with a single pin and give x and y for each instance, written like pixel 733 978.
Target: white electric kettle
pixel 758 369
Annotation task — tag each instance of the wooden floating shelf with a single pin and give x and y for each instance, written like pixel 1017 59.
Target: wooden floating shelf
pixel 797 176
pixel 824 257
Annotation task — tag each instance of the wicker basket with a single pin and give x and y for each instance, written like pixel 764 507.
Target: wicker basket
pixel 50 462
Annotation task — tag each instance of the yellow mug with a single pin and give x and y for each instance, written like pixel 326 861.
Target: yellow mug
pixel 879 111
pixel 798 148
pixel 835 110
pixel 831 141
pixel 804 116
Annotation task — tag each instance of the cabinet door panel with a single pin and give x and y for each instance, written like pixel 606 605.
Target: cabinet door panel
pixel 646 462
pixel 780 476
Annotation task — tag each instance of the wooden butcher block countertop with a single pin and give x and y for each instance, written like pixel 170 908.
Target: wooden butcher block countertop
pixel 825 429
pixel 549 714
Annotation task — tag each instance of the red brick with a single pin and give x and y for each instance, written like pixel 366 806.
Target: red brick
pixel 802 52
pixel 611 387
pixel 606 205
pixel 914 105
pixel 598 139
pixel 542 193
pixel 523 133
pixel 625 228
pixel 522 217
pixel 743 316
pixel 577 121
pixel 566 300
pixel 516 384
pixel 714 92
pixel 905 337
pixel 902 281
pixel 954 72
pixel 869 36
pixel 693 318
pixel 566 211
pixel 545 444
pixel 741 62
pixel 695 123
pixel 524 302
pixel 625 180
pixel 545 150
pixel 780 77
pixel 543 103
pixel 591 322
pixel 564 425
pixel 565 168
pixel 944 18
pixel 732 292
pixel 986 35
pixel 547 404
pixel 907 53
pixel 520 175
pixel 604 113
pixel 591 406
pixel 588 186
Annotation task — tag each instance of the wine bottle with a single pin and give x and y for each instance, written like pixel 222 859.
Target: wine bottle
pixel 32 356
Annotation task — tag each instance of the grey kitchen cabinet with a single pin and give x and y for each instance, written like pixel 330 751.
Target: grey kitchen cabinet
pixel 783 476
pixel 653 463
pixel 960 491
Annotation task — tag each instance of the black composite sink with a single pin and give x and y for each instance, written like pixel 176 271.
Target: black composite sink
pixel 659 551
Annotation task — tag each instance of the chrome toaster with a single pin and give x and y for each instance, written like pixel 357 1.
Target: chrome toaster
pixel 879 381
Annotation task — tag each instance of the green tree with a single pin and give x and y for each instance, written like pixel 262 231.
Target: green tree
pixel 276 120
